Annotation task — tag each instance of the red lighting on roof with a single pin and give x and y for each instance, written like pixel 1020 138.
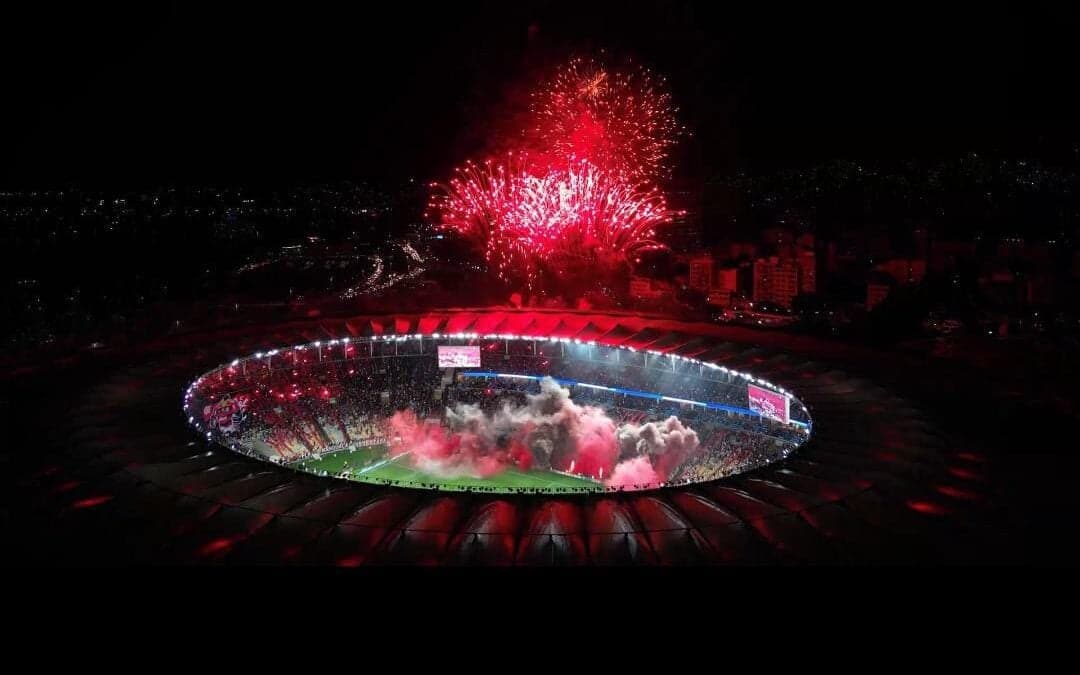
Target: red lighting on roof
pixel 91 502
pixel 966 474
pixel 929 508
pixel 957 493
pixel 67 486
pixel 216 546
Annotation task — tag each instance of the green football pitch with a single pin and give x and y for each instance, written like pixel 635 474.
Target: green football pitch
pixel 371 465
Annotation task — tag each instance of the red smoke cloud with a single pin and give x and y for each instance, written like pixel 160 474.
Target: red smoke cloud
pixel 548 431
pixel 632 472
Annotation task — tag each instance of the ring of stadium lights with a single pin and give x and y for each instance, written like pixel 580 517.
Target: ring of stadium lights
pixel 504 336
pixel 196 422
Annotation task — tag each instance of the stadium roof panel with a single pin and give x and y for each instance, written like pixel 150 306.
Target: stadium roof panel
pixel 866 485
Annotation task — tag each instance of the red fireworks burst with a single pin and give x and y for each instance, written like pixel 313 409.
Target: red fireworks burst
pixel 620 120
pixel 574 213
pixel 596 139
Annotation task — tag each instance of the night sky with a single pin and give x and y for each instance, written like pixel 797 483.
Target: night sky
pixel 259 92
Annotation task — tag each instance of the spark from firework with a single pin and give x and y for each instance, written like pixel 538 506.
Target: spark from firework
pixel 620 120
pixel 523 220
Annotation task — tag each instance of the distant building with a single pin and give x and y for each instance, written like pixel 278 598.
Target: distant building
pixel 840 256
pixel 1011 247
pixel 727 279
pixel 999 284
pixel 778 236
pixel 1039 253
pixel 1040 290
pixel 807 262
pixel 946 255
pixel 701 273
pixel 1016 248
pixel 776 280
pixel 831 262
pixel 922 243
pixel 904 270
pixel 876 292
pixel 726 285
pixel 643 288
pixel 742 249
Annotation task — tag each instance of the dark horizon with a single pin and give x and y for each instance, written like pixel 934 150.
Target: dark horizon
pixel 249 94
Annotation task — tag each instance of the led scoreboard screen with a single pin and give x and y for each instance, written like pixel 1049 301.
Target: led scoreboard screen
pixel 769 403
pixel 459 357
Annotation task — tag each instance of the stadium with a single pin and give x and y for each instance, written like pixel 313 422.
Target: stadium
pixel 496 412
pixel 128 477
pixel 550 286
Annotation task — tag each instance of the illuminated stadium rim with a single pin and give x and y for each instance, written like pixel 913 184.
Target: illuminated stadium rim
pixel 196 422
pixel 653 396
pixel 507 336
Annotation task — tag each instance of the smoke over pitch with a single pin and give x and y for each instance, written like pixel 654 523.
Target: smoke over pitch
pixel 550 431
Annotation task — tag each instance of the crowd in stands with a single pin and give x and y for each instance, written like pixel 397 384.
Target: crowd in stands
pixel 727 451
pixel 303 408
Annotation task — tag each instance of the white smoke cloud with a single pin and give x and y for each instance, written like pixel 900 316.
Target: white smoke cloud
pixel 548 431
